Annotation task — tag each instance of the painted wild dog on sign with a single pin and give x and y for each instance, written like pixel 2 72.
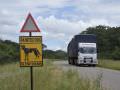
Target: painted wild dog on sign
pixel 30 50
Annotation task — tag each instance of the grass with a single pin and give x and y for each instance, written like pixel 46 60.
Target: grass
pixel 111 64
pixel 48 77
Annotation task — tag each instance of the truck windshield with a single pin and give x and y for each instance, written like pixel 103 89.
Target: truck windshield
pixel 87 50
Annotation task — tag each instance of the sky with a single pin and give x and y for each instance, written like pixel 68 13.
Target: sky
pixel 58 20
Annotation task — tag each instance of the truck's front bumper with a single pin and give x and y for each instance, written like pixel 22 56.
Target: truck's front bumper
pixel 87 62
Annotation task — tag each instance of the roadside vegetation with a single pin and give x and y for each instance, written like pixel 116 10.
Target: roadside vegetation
pixel 48 77
pixel 110 64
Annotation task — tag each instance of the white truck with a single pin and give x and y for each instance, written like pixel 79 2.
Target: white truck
pixel 82 50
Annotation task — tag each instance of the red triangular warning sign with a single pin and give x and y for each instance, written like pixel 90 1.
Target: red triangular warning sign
pixel 30 25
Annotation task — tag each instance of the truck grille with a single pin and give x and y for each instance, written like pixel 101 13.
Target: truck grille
pixel 88 60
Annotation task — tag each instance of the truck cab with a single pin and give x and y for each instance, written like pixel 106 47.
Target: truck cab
pixel 87 53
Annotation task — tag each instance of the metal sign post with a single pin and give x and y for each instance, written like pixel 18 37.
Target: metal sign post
pixel 31 70
pixel 31 77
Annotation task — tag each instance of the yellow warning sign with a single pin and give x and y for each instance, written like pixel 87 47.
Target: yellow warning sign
pixel 31 51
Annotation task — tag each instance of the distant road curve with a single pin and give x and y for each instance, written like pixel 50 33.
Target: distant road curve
pixel 110 78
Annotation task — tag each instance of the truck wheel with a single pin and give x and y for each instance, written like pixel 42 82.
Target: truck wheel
pixel 94 65
pixel 69 61
pixel 73 61
pixel 76 62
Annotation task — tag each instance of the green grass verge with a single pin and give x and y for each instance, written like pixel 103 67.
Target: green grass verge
pixel 48 77
pixel 111 64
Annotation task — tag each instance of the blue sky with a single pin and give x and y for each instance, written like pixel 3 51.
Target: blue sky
pixel 59 20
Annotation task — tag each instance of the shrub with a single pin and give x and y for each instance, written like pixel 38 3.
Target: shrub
pixel 116 54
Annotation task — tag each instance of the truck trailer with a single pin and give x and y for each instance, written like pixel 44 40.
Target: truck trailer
pixel 82 50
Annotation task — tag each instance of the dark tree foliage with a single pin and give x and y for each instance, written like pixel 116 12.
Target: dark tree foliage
pixel 9 51
pixel 108 38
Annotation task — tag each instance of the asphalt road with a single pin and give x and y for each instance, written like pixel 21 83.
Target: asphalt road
pixel 110 79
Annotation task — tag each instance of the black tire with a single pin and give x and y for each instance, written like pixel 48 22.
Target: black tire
pixel 76 62
pixel 73 61
pixel 68 60
pixel 94 65
pixel 89 65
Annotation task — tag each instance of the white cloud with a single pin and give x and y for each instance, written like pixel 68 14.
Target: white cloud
pixel 98 7
pixel 84 13
pixel 63 29
pixel 55 25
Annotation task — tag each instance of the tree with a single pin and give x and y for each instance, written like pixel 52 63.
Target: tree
pixel 116 54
